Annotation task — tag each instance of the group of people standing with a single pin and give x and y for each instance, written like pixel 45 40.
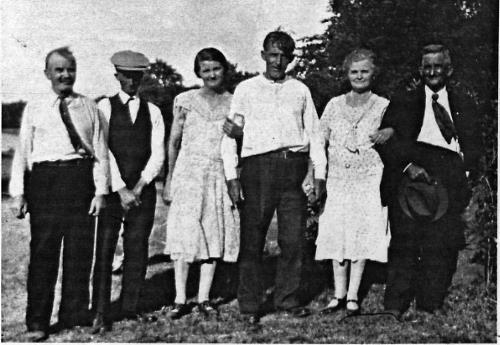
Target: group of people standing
pixel 360 156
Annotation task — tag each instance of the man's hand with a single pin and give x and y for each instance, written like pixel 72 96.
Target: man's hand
pixel 308 185
pixel 20 207
pixel 128 199
pixel 97 205
pixel 319 188
pixel 139 186
pixel 167 199
pixel 232 129
pixel 382 135
pixel 416 173
pixel 234 189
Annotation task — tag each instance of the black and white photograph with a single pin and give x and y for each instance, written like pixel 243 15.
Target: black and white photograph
pixel 256 171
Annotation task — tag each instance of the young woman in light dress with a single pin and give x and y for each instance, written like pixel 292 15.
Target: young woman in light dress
pixel 202 223
pixel 353 226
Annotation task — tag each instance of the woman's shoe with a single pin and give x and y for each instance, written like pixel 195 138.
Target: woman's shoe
pixel 179 310
pixel 332 308
pixel 207 309
pixel 353 311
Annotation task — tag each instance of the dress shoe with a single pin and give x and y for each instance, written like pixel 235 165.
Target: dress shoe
pixel 99 325
pixel 332 307
pixel 397 314
pixel 178 311
pixel 207 309
pixel 353 311
pixel 298 312
pixel 36 336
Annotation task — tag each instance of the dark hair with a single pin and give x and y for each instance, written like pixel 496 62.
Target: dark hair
pixel 282 40
pixel 360 54
pixel 438 48
pixel 63 51
pixel 209 54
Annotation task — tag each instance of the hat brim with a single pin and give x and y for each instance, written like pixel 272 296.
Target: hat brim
pixel 131 69
pixel 404 203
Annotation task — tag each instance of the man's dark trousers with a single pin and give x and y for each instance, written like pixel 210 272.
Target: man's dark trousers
pixel 59 196
pixel 138 223
pixel 272 181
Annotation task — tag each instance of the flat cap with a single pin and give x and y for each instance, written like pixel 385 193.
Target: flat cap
pixel 128 60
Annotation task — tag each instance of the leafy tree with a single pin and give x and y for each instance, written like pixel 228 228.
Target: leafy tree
pixel 235 76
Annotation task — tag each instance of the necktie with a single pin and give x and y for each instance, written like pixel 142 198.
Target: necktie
pixel 76 141
pixel 443 120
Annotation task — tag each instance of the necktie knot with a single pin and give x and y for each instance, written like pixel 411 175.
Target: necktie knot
pixel 435 97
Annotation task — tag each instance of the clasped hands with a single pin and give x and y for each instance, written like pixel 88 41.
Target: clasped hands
pixel 131 198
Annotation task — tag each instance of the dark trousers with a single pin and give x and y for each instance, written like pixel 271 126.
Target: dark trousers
pixel 138 223
pixel 422 260
pixel 58 200
pixel 272 182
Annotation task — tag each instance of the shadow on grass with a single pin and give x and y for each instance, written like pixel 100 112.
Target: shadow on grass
pixel 159 289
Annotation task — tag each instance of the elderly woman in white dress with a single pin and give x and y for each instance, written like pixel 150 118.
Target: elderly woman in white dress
pixel 353 226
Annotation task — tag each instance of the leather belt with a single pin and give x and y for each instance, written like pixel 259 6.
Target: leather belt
pixel 65 163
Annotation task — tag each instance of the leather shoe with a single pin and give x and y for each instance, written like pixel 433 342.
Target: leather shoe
pixel 179 310
pixel 353 312
pixel 252 321
pixel 99 325
pixel 299 312
pixel 36 336
pixel 397 314
pixel 207 309
pixel 341 303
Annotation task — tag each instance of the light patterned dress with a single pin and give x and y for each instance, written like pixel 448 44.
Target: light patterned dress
pixel 353 224
pixel 201 223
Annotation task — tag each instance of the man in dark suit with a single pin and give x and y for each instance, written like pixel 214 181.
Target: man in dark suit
pixel 437 137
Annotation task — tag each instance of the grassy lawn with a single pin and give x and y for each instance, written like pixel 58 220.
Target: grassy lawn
pixel 470 316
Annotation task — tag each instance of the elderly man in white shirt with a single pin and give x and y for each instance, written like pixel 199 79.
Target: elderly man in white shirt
pixel 60 174
pixel 136 143
pixel 276 115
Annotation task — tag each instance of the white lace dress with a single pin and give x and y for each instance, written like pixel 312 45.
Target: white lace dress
pixel 201 223
pixel 353 224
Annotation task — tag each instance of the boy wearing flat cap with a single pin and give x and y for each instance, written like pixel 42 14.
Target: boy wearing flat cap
pixel 136 145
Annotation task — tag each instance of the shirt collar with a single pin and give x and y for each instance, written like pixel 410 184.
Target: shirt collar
pixel 269 81
pixel 124 97
pixel 55 98
pixel 443 93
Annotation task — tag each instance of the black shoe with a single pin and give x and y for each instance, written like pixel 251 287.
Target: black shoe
pixel 207 309
pixel 397 314
pixel 99 325
pixel 179 310
pixel 36 336
pixel 341 303
pixel 353 312
pixel 252 321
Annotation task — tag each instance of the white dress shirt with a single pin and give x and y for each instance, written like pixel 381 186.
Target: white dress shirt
pixel 430 132
pixel 155 162
pixel 276 115
pixel 43 137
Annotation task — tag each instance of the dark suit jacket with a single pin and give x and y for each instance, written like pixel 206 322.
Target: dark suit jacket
pixel 405 114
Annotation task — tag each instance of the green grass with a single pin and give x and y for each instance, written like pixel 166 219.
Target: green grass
pixel 470 316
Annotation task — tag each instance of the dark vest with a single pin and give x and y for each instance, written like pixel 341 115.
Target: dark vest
pixel 130 142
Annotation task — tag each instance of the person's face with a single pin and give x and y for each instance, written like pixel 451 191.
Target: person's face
pixel 129 81
pixel 434 71
pixel 276 62
pixel 61 72
pixel 212 74
pixel 360 75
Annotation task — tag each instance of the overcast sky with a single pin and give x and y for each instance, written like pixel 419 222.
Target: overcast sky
pixel 172 30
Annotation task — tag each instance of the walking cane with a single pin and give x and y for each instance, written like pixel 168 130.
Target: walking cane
pixel 94 253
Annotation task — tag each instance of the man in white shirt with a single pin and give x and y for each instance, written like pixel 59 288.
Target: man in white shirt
pixel 60 174
pixel 136 150
pixel 436 138
pixel 279 121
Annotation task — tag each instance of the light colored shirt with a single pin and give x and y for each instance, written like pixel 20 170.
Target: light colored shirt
pixel 43 137
pixel 156 160
pixel 430 132
pixel 276 115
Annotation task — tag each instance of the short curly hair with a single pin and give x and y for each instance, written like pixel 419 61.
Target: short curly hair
pixel 360 54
